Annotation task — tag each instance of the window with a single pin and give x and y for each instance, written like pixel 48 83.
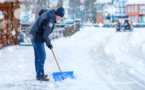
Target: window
pixel 0 31
pixel 122 10
pixel 121 4
pixel 140 6
pixel 135 8
pixel 132 9
pixel 129 9
pixel 1 17
pixel 133 19
pixel 1 14
pixel 130 18
pixel 136 19
pixel 141 20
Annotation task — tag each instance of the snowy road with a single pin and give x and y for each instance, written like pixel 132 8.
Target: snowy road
pixel 101 59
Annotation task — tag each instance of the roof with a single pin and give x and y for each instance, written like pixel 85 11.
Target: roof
pixel 19 1
pixel 102 1
pixel 9 0
pixel 2 1
pixel 136 2
pixel 13 1
pixel 129 1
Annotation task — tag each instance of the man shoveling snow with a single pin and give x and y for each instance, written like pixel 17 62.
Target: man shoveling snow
pixel 39 33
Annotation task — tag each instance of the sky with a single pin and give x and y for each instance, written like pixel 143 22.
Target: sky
pixel 129 1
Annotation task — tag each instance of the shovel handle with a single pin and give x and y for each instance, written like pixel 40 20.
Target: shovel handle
pixel 56 59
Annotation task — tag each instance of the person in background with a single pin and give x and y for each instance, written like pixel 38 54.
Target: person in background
pixel 39 33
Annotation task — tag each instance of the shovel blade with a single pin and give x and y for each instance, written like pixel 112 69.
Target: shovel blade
pixel 59 76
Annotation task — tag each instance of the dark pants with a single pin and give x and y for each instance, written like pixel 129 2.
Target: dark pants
pixel 40 56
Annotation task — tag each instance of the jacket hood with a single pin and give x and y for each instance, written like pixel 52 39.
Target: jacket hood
pixel 42 11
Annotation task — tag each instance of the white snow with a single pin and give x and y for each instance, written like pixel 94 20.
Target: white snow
pixel 128 1
pixel 13 33
pixel 16 13
pixel 136 2
pixel 101 58
pixel 102 1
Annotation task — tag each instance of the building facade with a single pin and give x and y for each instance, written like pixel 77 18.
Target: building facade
pixel 136 13
pixel 112 10
pixel 99 14
pixel 100 10
pixel 120 9
pixel 9 22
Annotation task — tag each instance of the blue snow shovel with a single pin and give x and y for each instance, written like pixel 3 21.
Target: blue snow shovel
pixel 59 76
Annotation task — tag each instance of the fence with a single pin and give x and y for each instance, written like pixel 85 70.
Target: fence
pixel 25 27
pixel 58 32
pixel 66 31
pixel 107 25
pixel 71 29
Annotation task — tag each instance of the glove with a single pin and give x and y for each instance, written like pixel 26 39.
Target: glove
pixel 50 46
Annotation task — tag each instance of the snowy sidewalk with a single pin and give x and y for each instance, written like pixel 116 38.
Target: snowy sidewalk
pixel 101 59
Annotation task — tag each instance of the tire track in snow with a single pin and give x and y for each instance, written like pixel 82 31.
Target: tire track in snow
pixel 110 61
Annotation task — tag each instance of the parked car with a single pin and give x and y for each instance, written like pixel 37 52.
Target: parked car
pixel 69 21
pixel 123 24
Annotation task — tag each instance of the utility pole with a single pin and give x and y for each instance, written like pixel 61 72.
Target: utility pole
pixel 62 6
pixel 82 7
pixel 61 3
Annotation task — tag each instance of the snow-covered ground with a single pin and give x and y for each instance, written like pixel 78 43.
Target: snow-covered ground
pixel 101 59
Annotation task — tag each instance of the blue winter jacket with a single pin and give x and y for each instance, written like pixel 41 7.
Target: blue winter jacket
pixel 43 27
